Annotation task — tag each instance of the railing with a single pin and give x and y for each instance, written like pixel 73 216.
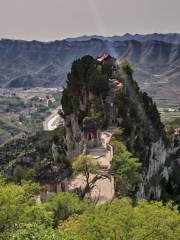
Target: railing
pixel 109 148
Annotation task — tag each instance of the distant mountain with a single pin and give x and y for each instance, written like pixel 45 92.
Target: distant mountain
pixel 169 37
pixel 156 62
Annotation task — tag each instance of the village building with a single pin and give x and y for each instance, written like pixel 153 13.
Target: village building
pixel 49 100
pixel 53 179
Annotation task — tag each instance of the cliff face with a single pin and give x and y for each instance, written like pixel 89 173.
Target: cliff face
pixel 73 136
pixel 117 101
pixel 84 97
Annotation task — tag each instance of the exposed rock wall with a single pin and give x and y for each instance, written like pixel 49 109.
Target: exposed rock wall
pixel 150 187
pixel 73 136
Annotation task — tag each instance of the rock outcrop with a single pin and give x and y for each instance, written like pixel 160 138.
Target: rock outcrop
pixel 119 102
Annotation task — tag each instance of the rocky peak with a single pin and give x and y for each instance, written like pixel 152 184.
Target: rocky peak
pixel 111 96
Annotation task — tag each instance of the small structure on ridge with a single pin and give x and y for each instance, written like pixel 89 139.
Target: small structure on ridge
pixel 106 59
pixel 92 133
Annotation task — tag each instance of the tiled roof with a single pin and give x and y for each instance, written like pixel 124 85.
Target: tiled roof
pixel 91 124
pixel 103 57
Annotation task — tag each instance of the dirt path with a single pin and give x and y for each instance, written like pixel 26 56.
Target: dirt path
pixel 103 190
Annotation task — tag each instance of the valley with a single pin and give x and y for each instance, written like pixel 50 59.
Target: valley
pixel 36 70
pixel 22 111
pixel 155 59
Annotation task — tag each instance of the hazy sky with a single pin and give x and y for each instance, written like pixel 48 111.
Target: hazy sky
pixel 56 19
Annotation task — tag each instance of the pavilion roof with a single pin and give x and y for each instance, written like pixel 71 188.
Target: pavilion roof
pixel 91 124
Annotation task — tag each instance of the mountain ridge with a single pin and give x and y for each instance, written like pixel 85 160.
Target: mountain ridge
pixel 166 37
pixel 34 63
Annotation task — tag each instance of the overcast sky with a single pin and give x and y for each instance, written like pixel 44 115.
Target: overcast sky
pixel 56 19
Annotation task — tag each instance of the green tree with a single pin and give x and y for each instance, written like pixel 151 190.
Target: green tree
pixel 19 173
pixel 22 173
pixel 86 165
pixel 125 166
pixel 33 231
pixel 87 75
pixel 64 205
pixel 17 206
pixel 121 221
pixel 127 67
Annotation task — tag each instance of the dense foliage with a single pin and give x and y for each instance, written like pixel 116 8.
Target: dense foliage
pixel 63 216
pixel 140 118
pixel 171 125
pixel 85 165
pixel 87 82
pixel 127 67
pixel 121 221
pixel 125 166
pixel 23 217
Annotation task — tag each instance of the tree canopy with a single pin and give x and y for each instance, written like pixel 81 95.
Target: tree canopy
pixel 121 221
pixel 63 216
pixel 86 165
pixel 125 166
pixel 86 75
